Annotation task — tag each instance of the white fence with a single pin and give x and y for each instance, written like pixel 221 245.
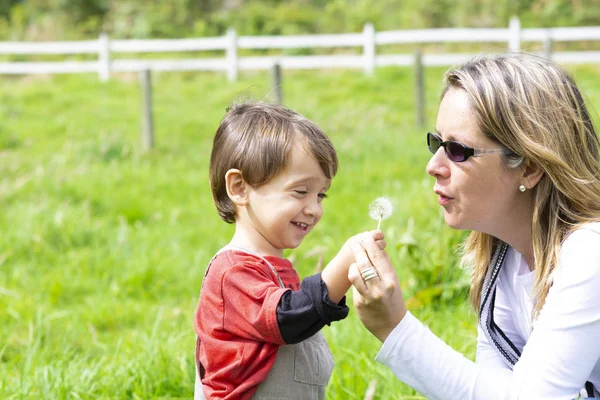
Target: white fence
pixel 231 63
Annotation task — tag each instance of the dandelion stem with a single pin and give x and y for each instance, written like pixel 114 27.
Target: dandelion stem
pixel 379 223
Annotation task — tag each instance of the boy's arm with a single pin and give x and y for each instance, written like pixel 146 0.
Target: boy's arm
pixel 335 275
pixel 243 302
pixel 302 313
pixel 249 296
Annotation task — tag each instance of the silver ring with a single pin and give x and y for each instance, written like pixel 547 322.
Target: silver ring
pixel 369 273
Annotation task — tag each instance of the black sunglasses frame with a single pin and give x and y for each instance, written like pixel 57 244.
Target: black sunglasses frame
pixel 458 152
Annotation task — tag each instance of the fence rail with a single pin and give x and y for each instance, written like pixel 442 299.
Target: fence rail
pixel 231 63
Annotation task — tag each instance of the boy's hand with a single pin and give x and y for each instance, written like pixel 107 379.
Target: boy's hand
pixel 346 255
pixel 335 275
pixel 379 239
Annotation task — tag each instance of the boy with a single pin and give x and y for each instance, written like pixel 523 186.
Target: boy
pixel 258 328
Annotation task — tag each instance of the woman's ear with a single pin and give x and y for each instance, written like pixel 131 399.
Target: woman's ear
pixel 532 174
pixel 236 187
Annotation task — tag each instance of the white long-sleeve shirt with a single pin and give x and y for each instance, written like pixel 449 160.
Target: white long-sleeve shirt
pixel 559 353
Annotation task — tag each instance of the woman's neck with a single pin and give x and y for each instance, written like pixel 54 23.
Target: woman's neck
pixel 516 228
pixel 525 248
pixel 519 238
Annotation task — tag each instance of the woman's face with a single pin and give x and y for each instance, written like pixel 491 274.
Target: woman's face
pixel 479 193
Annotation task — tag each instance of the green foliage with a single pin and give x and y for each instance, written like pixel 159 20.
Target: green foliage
pixel 261 18
pixel 84 19
pixel 434 277
pixel 103 246
pixel 149 19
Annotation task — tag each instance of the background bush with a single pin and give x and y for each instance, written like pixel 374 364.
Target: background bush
pixel 79 19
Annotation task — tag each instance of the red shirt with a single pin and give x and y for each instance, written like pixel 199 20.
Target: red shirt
pixel 236 322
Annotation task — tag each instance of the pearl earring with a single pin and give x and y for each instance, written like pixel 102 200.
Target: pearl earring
pixel 522 188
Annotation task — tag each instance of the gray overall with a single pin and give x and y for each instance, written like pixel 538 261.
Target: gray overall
pixel 301 371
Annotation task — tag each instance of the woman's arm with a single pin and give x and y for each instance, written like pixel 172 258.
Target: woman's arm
pixel 422 360
pixel 487 355
pixel 556 362
pixel 415 355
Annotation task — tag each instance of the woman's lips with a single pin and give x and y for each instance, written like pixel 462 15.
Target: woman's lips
pixel 443 198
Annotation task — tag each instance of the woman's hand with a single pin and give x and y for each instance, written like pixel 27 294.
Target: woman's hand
pixel 378 301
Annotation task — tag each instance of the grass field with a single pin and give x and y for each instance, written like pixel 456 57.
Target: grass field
pixel 103 247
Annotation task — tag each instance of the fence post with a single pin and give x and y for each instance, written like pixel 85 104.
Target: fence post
pixel 419 89
pixel 369 48
pixel 514 34
pixel 231 55
pixel 103 57
pixel 276 82
pixel 548 45
pixel 147 120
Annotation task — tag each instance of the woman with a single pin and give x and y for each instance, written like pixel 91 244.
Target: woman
pixel 516 161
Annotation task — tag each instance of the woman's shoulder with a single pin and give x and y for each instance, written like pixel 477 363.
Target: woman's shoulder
pixel 591 226
pixel 580 250
pixel 586 234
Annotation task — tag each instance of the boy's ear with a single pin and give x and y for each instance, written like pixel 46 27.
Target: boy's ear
pixel 532 174
pixel 236 187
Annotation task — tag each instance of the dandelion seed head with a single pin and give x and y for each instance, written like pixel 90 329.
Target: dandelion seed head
pixel 381 208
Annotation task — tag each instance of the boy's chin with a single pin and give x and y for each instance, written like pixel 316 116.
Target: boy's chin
pixel 293 245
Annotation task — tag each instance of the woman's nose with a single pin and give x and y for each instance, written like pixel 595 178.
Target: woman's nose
pixel 438 164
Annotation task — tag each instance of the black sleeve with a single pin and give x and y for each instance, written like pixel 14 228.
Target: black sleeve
pixel 302 313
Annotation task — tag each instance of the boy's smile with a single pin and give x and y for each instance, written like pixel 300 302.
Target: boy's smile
pixel 300 225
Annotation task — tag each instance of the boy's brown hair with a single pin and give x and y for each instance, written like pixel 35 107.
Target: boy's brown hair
pixel 256 138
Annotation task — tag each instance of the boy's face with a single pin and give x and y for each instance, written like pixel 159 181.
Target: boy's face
pixel 285 209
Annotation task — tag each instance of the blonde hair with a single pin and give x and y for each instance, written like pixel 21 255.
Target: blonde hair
pixel 530 106
pixel 256 138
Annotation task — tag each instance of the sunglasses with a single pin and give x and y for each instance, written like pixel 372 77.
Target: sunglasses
pixel 456 151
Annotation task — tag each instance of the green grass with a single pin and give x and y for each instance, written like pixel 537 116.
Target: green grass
pixel 103 246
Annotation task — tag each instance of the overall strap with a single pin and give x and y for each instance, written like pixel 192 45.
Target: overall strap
pixel 247 251
pixel 509 352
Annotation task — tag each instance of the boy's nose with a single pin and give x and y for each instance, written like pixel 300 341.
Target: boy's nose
pixel 314 208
